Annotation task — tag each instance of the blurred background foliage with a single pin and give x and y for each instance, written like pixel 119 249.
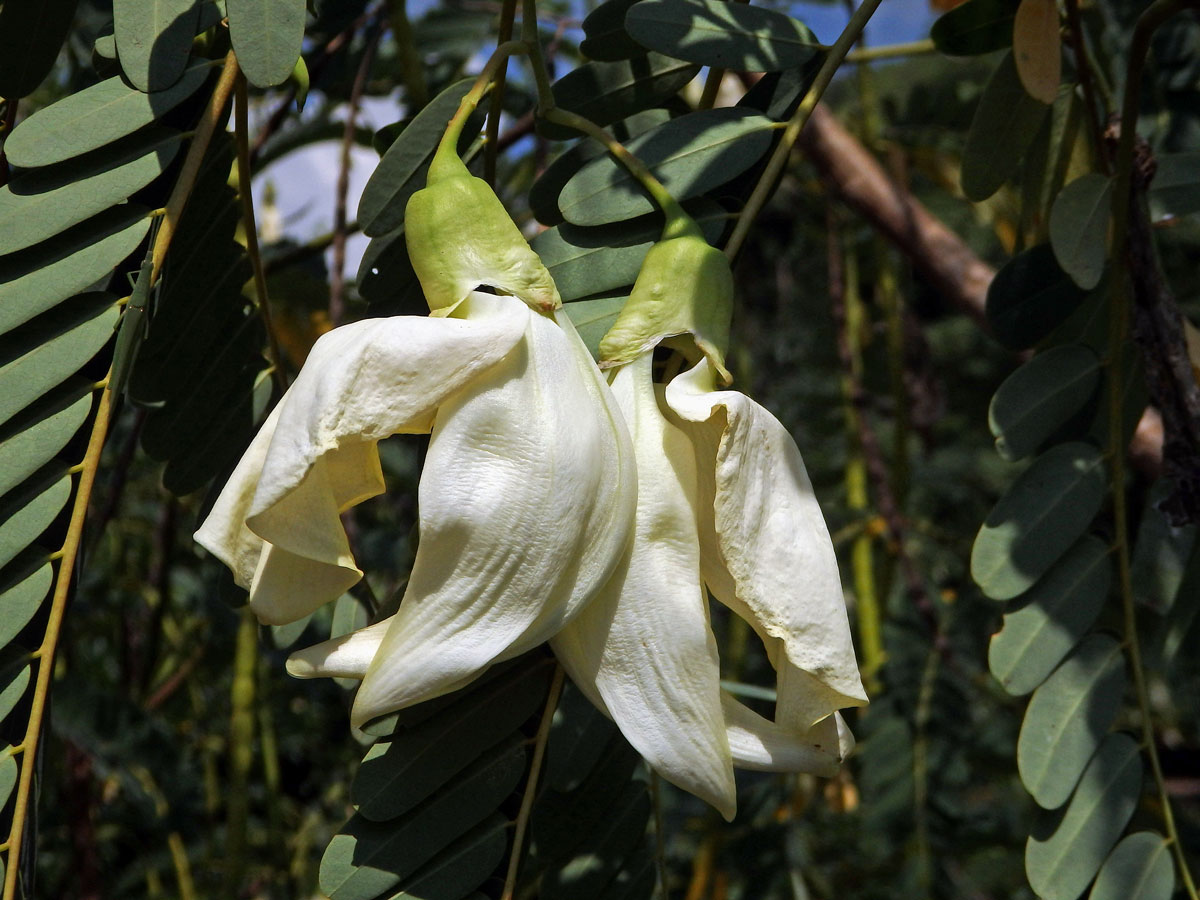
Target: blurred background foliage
pixel 145 794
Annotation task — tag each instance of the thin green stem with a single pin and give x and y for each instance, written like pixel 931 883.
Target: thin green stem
pixel 241 132
pixel 890 51
pixel 535 768
pixel 241 750
pixel 482 85
pixel 412 73
pixel 537 60
pixel 508 12
pixel 766 182
pixel 1119 315
pixel 712 87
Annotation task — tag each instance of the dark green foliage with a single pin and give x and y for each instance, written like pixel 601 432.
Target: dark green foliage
pixel 30 37
pixel 975 27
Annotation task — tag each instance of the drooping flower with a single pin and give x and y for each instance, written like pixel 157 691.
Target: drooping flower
pixel 724 502
pixel 526 497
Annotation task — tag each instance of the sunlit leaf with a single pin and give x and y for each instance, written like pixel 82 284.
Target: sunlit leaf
pixel 26 513
pixel 1042 514
pixel 1067 848
pixel 607 92
pixel 1139 868
pixel 14 679
pixel 1051 618
pixel 1067 717
pixel 94 117
pixel 33 438
pixel 1041 396
pixel 689 155
pixel 593 318
pixel 21 598
pixel 154 39
pixel 605 38
pixel 43 202
pixel 724 35
pixel 266 36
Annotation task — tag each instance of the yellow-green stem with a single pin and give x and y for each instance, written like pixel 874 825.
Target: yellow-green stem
pixel 242 137
pixel 1119 313
pixel 535 769
pixel 779 158
pixel 891 51
pixel 67 554
pixel 241 750
pixel 483 83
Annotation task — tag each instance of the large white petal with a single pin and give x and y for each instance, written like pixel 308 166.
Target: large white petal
pixel 348 656
pixel 526 507
pixel 766 551
pixel 276 523
pixel 644 644
pixel 761 745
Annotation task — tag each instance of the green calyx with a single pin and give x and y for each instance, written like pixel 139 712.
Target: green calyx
pixel 460 237
pixel 685 287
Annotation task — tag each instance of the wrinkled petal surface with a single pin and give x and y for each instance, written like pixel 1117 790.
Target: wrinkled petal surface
pixel 761 745
pixel 644 644
pixel 526 507
pixel 348 656
pixel 276 523
pixel 765 549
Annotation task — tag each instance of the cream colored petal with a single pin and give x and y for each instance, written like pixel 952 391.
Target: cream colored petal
pixel 761 745
pixel 644 644
pixel 766 552
pixel 526 506
pixel 276 523
pixel 347 656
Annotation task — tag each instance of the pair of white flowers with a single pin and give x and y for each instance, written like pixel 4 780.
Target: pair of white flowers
pixel 555 504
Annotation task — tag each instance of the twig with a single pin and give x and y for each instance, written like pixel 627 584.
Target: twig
pixel 535 768
pixel 337 276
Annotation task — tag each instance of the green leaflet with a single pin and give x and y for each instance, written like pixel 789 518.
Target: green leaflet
pixel 689 155
pixel 605 37
pixel 43 354
pixel 1067 848
pixel 1042 514
pixel 545 191
pixel 725 35
pixel 386 279
pixel 462 866
pixel 14 679
pixel 1029 297
pixel 33 438
pixel 1067 717
pixel 367 858
pixel 1160 553
pixel 589 261
pixel 975 27
pixel 398 774
pixel 1175 190
pixel 1040 397
pixel 607 92
pixel 267 36
pixel 20 597
pixel 1053 615
pixel 1139 868
pixel 1079 228
pixel 47 201
pixel 593 318
pixel 154 39
pixel 31 35
pixel 8 773
pixel 94 117
pixel 1006 121
pixel 37 279
pixel 598 859
pixel 26 513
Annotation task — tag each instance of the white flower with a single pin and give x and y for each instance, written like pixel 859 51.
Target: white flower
pixel 723 500
pixel 526 497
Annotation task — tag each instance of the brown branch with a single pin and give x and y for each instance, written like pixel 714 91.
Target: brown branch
pixel 858 180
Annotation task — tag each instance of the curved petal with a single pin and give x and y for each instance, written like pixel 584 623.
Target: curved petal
pixel 766 553
pixel 526 506
pixel 276 523
pixel 348 656
pixel 644 644
pixel 761 745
